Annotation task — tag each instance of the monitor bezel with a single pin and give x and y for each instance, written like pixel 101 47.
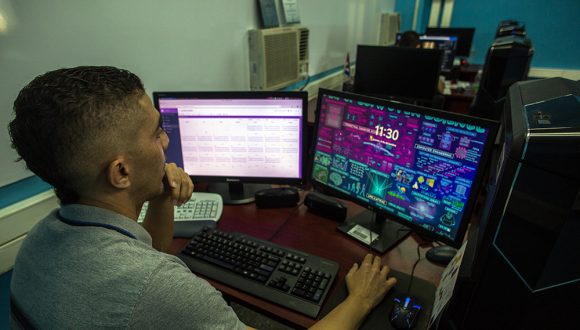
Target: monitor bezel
pixel 248 95
pixel 467 213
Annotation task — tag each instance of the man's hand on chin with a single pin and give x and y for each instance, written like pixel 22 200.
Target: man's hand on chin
pixel 178 188
pixel 178 184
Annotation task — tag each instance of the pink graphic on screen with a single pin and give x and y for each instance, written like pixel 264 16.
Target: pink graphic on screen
pixel 418 167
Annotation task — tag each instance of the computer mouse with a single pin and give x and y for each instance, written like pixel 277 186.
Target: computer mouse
pixel 405 312
pixel 441 254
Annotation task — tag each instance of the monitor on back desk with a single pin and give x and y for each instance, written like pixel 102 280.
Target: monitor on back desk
pixel 464 38
pixel 394 72
pixel 239 142
pixel 447 44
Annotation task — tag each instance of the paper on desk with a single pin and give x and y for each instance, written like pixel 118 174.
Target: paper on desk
pixel 446 285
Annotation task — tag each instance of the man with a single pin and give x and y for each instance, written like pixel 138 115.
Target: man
pixel 409 39
pixel 93 134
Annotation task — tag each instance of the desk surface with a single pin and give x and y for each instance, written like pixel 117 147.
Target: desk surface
pixel 299 229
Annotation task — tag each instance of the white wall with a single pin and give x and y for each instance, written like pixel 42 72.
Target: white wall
pixel 170 44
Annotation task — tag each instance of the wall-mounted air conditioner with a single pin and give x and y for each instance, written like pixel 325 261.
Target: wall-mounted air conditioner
pixel 278 57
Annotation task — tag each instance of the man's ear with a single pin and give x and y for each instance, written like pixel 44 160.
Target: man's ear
pixel 118 173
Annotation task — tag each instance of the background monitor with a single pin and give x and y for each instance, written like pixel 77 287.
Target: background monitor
pixel 446 43
pixel 394 72
pixel 418 166
pixel 464 38
pixel 239 142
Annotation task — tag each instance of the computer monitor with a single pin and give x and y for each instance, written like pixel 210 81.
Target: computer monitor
pixel 464 38
pixel 417 166
pixel 238 142
pixel 446 43
pixel 407 74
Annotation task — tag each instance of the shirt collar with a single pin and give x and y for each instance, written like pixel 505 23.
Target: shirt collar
pixel 87 213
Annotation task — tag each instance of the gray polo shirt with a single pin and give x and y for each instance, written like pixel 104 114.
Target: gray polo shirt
pixel 88 276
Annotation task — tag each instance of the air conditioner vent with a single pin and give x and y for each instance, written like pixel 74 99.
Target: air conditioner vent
pixel 278 57
pixel 281 62
pixel 304 44
pixel 389 26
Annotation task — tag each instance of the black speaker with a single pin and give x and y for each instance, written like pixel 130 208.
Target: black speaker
pixel 277 197
pixel 325 206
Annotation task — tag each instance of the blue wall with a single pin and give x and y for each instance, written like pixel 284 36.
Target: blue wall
pixel 22 189
pixel 553 27
pixel 11 194
pixel 406 9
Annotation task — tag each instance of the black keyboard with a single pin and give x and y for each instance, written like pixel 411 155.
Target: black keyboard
pixel 296 280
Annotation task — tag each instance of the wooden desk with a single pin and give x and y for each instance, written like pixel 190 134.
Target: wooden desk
pixel 299 229
pixel 460 100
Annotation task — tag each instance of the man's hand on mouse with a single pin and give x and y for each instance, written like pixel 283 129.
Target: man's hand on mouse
pixel 368 282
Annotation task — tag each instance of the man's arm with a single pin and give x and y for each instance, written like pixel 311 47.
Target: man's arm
pixel 159 218
pixel 367 286
pixel 159 222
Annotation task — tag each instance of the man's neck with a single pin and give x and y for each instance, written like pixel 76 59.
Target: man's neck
pixel 119 206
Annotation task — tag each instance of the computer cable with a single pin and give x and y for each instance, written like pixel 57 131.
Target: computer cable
pixel 306 84
pixel 405 229
pixel 374 225
pixel 292 212
pixel 413 269
pixel 370 229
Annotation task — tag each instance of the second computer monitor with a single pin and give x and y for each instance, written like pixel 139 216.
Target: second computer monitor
pixel 235 139
pixel 415 165
pixel 394 72
pixel 464 38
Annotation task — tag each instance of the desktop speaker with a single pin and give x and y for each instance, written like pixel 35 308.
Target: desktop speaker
pixel 277 197
pixel 325 206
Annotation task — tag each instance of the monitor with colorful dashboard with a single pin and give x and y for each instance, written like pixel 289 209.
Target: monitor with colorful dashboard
pixel 418 166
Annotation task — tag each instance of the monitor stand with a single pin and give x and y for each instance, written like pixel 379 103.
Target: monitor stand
pixel 236 193
pixel 386 234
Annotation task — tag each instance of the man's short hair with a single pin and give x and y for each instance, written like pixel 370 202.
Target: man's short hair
pixel 68 121
pixel 409 39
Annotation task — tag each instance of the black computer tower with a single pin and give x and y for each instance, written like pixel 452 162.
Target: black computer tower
pixel 508 61
pixel 521 269
pixel 510 27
